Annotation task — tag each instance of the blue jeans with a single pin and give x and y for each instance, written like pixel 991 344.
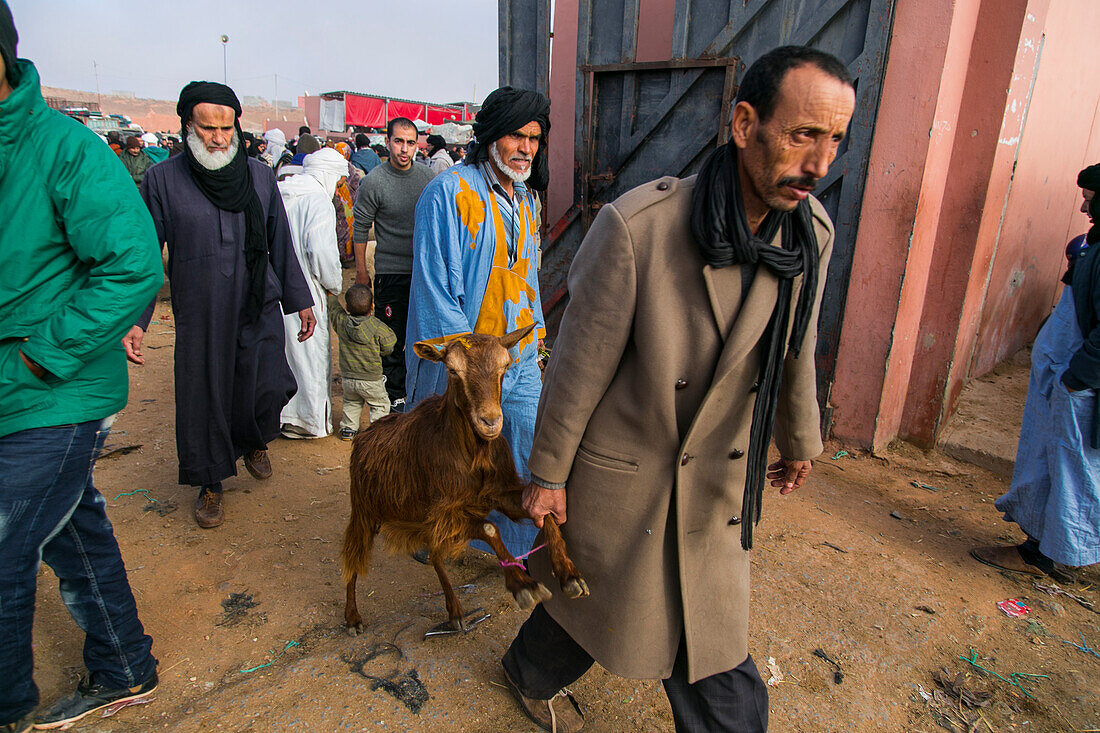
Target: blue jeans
pixel 49 510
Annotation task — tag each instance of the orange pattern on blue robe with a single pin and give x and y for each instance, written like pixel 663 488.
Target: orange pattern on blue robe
pixel 461 283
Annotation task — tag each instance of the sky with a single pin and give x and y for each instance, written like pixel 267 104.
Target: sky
pixel 430 50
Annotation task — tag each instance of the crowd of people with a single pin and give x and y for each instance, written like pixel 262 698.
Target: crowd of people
pixel 687 347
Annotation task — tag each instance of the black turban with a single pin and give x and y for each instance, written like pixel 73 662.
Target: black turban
pixel 230 188
pixel 1089 179
pixel 435 142
pixel 8 40
pixel 211 92
pixel 507 110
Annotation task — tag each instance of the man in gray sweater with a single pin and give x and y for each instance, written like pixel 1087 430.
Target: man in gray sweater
pixel 387 199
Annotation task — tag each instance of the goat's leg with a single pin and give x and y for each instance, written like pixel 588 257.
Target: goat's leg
pixel 356 557
pixel 510 505
pixel 454 608
pixel 572 584
pixel 352 620
pixel 456 621
pixel 527 591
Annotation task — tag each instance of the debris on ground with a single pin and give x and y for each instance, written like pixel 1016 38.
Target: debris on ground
pixel 162 508
pixel 114 451
pixel 838 675
pixel 272 661
pixel 773 669
pixel 1054 589
pixel 405 687
pixel 1083 647
pixel 358 663
pixel 947 713
pixel 135 492
pixel 1035 628
pixel 920 485
pixel 960 687
pixel 467 589
pixel 115 707
pixel 1013 607
pixel 236 608
pixel 1013 678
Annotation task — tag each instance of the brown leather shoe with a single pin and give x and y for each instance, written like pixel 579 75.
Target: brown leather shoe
pixel 258 464
pixel 559 714
pixel 208 509
pixel 1005 558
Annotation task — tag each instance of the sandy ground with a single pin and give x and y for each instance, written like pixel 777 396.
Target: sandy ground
pixel 862 563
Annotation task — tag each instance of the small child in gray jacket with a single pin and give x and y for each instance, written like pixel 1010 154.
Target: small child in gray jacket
pixel 364 340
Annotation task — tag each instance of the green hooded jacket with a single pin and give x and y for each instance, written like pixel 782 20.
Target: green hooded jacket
pixel 80 262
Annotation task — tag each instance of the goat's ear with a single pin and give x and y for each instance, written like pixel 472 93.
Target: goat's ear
pixel 430 351
pixel 509 340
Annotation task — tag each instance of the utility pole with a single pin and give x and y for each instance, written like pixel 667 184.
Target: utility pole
pixel 98 98
pixel 225 62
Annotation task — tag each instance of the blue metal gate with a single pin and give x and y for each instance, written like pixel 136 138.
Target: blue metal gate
pixel 639 121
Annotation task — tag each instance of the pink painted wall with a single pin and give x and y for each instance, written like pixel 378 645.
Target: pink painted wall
pixel 563 75
pixel 907 171
pixel 945 288
pixel 1001 50
pixel 653 42
pixel 655 21
pixel 1061 136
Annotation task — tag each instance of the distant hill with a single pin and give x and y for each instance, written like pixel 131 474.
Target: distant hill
pixel 159 115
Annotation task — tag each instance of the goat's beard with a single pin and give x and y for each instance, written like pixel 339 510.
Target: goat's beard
pixel 216 160
pixel 516 176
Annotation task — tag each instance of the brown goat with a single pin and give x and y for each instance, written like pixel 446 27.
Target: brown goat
pixel 430 477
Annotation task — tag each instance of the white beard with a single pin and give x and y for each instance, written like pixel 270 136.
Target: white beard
pixel 516 176
pixel 216 160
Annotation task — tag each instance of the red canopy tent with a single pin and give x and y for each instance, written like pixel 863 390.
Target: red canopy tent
pixel 438 115
pixel 365 111
pixel 368 110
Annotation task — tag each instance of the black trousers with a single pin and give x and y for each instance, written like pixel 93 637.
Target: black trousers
pixel 391 306
pixel 543 658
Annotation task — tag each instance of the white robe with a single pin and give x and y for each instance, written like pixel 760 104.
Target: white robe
pixel 313 229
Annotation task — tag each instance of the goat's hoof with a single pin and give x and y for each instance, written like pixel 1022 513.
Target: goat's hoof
pixel 575 588
pixel 458 626
pixel 354 629
pixel 528 598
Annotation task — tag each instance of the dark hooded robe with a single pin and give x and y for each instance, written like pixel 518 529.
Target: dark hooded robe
pixel 232 377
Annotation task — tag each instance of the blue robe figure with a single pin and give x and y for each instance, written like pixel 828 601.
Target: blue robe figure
pixel 1055 492
pixel 474 270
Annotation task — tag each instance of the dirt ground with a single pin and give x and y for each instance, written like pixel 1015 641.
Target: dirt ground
pixel 867 563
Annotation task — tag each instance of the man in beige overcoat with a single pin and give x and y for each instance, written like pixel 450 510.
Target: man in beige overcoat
pixel 690 333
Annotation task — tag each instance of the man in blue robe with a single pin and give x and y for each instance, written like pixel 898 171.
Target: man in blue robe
pixel 1055 491
pixel 475 266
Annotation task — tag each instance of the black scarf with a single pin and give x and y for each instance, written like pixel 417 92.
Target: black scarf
pixel 721 230
pixel 1089 179
pixel 506 110
pixel 230 188
pixel 9 39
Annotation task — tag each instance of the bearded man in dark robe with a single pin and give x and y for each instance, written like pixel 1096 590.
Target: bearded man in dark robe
pixel 233 275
